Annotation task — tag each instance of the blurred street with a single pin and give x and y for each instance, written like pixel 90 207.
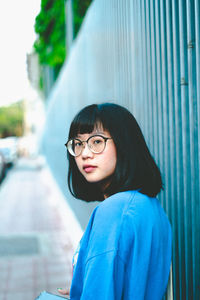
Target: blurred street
pixel 38 233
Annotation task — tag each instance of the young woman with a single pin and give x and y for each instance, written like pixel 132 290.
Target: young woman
pixel 125 252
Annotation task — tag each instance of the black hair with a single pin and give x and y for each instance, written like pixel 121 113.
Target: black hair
pixel 135 167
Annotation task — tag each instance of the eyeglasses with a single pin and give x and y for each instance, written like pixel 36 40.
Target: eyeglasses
pixel 96 144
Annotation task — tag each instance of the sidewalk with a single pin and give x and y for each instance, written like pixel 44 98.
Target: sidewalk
pixel 38 233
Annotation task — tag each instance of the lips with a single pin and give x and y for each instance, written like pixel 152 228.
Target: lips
pixel 88 168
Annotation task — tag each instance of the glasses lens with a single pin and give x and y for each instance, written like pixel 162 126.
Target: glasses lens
pixel 74 147
pixel 96 143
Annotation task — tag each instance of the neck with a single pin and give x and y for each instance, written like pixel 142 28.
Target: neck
pixel 103 185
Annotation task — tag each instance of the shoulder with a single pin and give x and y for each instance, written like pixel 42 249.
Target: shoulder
pixel 127 204
pixel 129 208
pixel 117 201
pixel 114 207
pixel 143 209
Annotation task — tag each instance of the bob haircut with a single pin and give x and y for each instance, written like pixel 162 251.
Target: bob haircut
pixel 135 167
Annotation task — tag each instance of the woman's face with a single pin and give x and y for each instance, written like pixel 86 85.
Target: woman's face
pixel 97 167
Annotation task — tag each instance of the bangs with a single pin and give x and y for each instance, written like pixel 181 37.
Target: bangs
pixel 86 121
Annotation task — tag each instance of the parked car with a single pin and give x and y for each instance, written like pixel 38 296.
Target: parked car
pixel 8 147
pixel 2 166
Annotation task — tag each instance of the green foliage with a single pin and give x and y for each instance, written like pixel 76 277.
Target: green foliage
pixel 11 120
pixel 50 27
pixel 51 30
pixel 79 10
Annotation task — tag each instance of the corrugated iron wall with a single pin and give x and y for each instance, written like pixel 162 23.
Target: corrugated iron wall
pixel 145 55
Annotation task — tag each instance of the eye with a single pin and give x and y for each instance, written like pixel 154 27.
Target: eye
pixel 97 140
pixel 77 144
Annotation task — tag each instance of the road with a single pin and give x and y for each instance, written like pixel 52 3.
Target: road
pixel 38 233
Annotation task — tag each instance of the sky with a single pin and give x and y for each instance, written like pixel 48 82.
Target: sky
pixel 17 18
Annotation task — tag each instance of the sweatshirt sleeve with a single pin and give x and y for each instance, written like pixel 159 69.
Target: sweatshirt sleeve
pixel 103 278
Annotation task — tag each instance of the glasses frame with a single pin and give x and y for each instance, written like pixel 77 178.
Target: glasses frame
pixel 105 140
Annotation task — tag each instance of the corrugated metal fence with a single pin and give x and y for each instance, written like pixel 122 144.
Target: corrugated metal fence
pixel 144 55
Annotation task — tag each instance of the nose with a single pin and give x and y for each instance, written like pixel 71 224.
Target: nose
pixel 86 152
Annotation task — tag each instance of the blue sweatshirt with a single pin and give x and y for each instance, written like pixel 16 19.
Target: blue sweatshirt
pixel 125 252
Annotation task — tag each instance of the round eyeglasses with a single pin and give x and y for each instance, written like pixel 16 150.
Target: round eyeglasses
pixel 96 144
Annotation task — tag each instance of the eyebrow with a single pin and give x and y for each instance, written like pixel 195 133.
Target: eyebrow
pixel 94 133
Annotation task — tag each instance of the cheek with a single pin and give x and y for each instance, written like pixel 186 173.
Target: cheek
pixel 111 160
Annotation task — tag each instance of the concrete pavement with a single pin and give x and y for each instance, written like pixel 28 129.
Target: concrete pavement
pixel 38 233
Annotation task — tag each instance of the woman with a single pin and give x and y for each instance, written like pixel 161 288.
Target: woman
pixel 125 252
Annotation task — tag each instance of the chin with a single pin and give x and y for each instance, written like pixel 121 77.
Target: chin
pixel 103 183
pixel 93 180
